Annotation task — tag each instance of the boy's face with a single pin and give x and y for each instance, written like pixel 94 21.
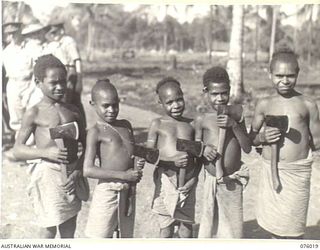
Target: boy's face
pixel 54 35
pixel 284 77
pixel 171 98
pixel 106 104
pixel 54 83
pixel 217 93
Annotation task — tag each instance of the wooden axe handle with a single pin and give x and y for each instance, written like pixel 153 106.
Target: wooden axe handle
pixel 64 175
pixel 222 138
pixel 182 177
pixel 274 166
pixel 132 193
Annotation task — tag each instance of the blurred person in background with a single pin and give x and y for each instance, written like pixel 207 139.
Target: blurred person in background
pixel 17 64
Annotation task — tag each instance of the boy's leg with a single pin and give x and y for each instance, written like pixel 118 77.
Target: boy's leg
pixel 68 228
pixel 47 232
pixel 167 232
pixel 185 230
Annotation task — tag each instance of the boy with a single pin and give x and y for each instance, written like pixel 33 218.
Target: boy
pixel 170 203
pixel 49 194
pixel 222 214
pixel 284 213
pixel 112 141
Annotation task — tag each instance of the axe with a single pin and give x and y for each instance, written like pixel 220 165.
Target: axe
pixel 59 133
pixel 151 155
pixel 281 122
pixel 235 112
pixel 195 148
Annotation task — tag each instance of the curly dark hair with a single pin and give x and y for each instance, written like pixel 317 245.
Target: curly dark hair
pixel 45 62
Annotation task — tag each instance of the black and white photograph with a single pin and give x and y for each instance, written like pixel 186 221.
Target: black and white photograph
pixel 160 120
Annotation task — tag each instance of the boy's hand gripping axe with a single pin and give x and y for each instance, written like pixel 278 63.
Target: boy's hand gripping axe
pixel 194 148
pixel 151 155
pixel 281 122
pixel 59 133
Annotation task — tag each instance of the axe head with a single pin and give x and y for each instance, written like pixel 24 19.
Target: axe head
pixel 278 121
pixel 151 155
pixel 194 148
pixel 235 111
pixel 65 131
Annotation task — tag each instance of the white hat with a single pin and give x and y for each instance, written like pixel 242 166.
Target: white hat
pixel 32 28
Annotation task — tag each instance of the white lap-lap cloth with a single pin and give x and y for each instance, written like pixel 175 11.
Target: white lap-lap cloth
pixel 169 204
pixel 108 211
pixel 284 213
pixel 50 202
pixel 222 209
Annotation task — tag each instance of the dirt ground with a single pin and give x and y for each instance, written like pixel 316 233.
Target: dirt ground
pixel 18 219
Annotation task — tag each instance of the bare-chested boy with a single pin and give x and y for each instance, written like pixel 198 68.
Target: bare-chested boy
pixel 284 213
pixel 222 214
pixel 50 195
pixel 168 203
pixel 112 141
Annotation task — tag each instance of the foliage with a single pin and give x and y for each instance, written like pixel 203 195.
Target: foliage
pixel 114 28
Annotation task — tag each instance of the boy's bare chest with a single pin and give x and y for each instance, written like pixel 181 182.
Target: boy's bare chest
pixel 115 136
pixel 176 130
pixel 53 116
pixel 209 124
pixel 295 109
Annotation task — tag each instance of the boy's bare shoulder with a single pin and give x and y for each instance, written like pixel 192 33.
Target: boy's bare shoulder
pixel 264 102
pixel 202 117
pixel 157 121
pixel 94 131
pixel 124 123
pixel 187 120
pixel 32 113
pixel 72 108
pixel 309 101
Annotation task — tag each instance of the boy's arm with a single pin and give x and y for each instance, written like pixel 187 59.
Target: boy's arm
pixel 92 171
pixel 82 139
pixel 198 128
pixel 23 152
pixel 138 162
pixel 152 139
pixel 209 152
pixel 269 135
pixel 314 126
pixel 240 131
pixel 256 124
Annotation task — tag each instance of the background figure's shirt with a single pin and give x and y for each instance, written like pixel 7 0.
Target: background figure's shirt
pixel 18 61
pixel 65 50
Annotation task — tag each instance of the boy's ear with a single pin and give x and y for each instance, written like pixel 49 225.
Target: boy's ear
pixel 159 100
pixel 36 80
pixel 205 89
pixel 91 102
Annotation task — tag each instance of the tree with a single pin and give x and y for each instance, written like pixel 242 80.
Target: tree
pixel 235 61
pixel 275 12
